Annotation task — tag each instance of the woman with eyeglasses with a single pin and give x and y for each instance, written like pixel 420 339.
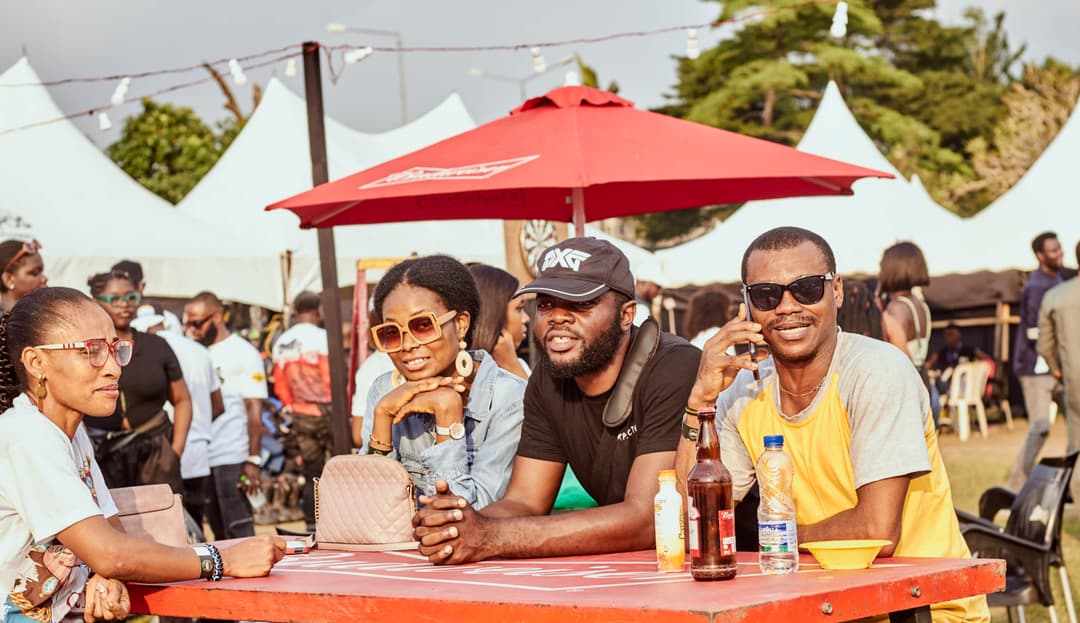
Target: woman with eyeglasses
pixel 60 360
pixel 23 271
pixel 138 444
pixel 446 413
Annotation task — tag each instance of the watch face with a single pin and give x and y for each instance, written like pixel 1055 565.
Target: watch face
pixel 457 430
pixel 536 237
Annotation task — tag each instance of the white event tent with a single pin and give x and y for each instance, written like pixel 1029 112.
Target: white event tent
pixel 858 227
pixel 88 214
pixel 270 160
pixel 999 237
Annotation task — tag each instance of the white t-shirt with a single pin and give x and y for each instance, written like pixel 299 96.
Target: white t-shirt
pixel 240 368
pixel 377 364
pixel 47 484
pixel 201 379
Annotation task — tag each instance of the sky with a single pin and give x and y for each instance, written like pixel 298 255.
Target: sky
pixel 66 39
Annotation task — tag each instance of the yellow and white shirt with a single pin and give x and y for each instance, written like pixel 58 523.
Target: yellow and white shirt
pixel 870 420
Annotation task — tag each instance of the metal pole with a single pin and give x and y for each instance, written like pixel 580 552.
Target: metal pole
pixel 401 78
pixel 579 211
pixel 339 415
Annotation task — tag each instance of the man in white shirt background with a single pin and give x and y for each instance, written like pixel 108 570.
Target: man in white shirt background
pixel 302 383
pixel 235 445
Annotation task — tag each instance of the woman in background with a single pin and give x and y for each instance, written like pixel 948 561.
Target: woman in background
pixel 502 324
pixel 23 271
pixel 906 319
pixel 60 359
pixel 860 312
pixel 137 444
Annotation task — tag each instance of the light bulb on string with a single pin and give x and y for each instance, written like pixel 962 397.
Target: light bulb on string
pixel 238 76
pixel 693 51
pixel 290 68
pixel 358 54
pixel 120 93
pixel 104 124
pixel 572 79
pixel 538 64
pixel 839 21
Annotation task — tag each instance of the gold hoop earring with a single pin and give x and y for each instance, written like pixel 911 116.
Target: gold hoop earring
pixel 464 362
pixel 40 391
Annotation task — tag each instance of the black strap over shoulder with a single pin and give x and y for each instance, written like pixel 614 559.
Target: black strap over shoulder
pixel 620 403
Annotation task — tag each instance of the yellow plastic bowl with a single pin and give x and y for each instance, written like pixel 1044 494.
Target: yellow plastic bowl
pixel 851 554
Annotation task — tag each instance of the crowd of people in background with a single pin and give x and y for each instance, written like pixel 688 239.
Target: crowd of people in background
pixel 493 442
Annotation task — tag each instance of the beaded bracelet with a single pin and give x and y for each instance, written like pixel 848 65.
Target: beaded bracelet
pixel 219 566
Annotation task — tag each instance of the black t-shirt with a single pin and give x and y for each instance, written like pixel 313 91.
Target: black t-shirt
pixel 563 425
pixel 144 383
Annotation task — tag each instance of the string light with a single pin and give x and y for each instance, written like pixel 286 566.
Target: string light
pixel 289 53
pixel 356 55
pixel 539 66
pixel 238 76
pixel 572 79
pixel 120 93
pixel 692 49
pixel 839 21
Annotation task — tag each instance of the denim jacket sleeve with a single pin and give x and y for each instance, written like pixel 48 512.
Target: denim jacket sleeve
pixel 478 466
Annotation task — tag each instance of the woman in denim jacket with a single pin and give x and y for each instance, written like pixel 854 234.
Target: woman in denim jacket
pixel 446 413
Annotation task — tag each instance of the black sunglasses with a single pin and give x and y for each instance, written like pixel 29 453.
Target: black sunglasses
pixel 807 290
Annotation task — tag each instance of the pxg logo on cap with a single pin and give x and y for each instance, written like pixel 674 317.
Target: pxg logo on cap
pixel 581 269
pixel 567 258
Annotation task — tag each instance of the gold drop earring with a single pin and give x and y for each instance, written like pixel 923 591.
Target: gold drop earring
pixel 41 391
pixel 464 362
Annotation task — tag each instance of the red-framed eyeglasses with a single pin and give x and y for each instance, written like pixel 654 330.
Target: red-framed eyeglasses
pixel 97 350
pixel 28 248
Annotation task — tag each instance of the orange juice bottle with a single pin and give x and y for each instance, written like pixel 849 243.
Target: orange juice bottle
pixel 670 539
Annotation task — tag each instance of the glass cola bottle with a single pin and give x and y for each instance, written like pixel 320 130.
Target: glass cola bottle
pixel 710 509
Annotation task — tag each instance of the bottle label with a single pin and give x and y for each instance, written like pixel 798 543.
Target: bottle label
pixel 692 528
pixel 727 532
pixel 777 537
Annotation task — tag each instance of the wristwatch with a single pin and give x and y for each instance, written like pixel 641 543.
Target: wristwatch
pixel 255 460
pixel 455 431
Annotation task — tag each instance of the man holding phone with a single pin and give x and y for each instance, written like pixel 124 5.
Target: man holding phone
pixel 854 414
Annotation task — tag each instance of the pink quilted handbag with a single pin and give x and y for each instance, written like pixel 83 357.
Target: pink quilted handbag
pixel 364 502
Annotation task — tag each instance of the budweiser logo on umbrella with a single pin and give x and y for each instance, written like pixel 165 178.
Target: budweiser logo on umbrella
pixel 481 171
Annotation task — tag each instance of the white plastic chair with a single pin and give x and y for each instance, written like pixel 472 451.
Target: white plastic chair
pixel 966 392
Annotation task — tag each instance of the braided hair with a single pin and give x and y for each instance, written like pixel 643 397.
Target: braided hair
pixel 97 282
pixel 448 278
pixel 29 324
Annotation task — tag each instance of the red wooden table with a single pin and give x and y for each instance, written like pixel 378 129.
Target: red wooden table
pixel 332 586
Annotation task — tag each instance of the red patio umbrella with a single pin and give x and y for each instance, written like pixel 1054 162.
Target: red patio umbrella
pixel 575 154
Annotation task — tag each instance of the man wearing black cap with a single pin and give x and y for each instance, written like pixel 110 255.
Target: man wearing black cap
pixel 615 434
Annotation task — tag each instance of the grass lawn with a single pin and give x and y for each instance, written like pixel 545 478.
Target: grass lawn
pixel 979 463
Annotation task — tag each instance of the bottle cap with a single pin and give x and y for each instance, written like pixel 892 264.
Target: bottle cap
pixel 774 441
pixel 667 475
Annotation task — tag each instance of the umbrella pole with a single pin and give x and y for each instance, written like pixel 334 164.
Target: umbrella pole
pixel 339 409
pixel 579 211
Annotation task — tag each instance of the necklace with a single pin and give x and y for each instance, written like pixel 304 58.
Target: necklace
pixel 804 394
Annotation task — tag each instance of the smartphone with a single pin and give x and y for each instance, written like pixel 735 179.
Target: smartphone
pixel 751 347
pixel 297 547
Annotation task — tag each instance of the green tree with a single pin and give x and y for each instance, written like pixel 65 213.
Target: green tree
pixel 168 148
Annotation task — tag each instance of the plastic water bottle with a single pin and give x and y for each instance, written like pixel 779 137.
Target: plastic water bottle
pixel 778 544
pixel 670 546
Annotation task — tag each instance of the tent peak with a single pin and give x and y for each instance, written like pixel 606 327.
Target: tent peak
pixel 573 97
